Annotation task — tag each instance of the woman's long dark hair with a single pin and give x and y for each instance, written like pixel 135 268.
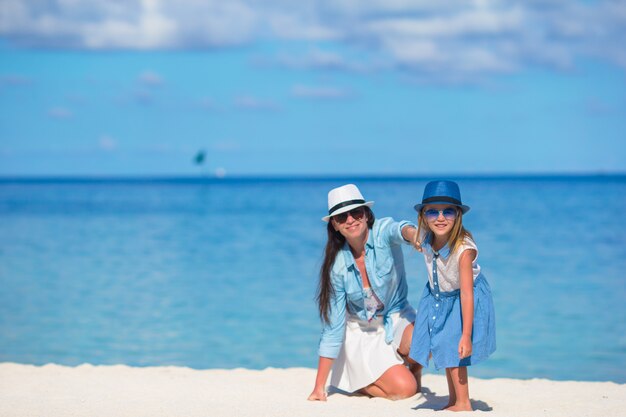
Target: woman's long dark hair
pixel 335 242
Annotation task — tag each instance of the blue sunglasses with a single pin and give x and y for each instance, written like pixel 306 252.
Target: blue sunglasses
pixel 448 213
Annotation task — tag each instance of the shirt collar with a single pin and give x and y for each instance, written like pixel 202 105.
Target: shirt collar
pixel 370 239
pixel 444 252
pixel 347 253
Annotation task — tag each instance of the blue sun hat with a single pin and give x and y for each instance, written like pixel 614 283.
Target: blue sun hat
pixel 442 192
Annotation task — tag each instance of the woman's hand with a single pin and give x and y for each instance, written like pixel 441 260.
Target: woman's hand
pixel 318 394
pixel 323 369
pixel 465 347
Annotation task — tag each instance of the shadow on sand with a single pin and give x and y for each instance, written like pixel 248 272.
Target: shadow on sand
pixel 433 401
pixel 334 390
pixel 437 402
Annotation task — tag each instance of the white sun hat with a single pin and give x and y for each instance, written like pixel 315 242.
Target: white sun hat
pixel 343 199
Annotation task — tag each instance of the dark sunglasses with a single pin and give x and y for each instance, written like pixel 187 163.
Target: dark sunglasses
pixel 448 213
pixel 357 214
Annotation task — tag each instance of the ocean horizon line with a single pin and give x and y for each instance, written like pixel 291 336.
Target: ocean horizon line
pixel 244 178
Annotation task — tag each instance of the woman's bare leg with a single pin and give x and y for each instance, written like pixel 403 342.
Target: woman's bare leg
pixel 395 384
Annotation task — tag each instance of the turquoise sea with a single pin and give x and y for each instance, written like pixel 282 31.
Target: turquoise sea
pixel 221 273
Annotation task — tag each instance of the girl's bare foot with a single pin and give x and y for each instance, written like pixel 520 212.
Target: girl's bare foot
pixel 451 402
pixel 460 407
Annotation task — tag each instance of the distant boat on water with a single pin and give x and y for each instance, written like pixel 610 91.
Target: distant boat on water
pixel 200 159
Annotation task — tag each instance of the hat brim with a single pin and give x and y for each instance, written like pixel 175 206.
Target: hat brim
pixel 464 208
pixel 346 208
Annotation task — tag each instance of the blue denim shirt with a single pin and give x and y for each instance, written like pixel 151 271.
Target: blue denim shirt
pixel 384 263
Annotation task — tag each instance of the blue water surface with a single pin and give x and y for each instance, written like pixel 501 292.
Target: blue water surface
pixel 223 273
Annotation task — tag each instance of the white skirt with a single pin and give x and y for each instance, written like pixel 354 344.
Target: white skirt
pixel 365 356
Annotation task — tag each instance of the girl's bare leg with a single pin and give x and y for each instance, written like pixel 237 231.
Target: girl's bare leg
pixel 395 384
pixel 452 394
pixel 461 389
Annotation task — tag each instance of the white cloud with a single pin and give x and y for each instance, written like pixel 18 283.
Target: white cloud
pixel 150 78
pixel 296 26
pixel 226 146
pixel 150 29
pixel 323 92
pixel 107 143
pixel 207 103
pixel 598 107
pixel 318 58
pixel 14 80
pixel 143 97
pixel 468 23
pixel 449 38
pixel 254 103
pixel 60 113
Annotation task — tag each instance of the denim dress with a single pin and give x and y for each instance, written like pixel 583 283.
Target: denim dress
pixel 439 323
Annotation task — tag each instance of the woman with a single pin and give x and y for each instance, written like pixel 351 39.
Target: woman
pixel 362 296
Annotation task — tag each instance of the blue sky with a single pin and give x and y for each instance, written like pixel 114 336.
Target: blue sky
pixel 312 87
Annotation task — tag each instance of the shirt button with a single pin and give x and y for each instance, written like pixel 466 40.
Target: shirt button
pixel 436 305
pixel 434 317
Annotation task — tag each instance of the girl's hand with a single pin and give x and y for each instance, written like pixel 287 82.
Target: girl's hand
pixel 465 347
pixel 409 233
pixel 318 394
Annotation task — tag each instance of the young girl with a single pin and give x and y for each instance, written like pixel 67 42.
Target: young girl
pixel 455 318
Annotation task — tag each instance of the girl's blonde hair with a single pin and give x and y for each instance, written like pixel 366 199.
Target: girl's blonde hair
pixel 457 234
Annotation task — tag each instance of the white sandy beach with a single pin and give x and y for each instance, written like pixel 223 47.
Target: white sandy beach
pixel 116 391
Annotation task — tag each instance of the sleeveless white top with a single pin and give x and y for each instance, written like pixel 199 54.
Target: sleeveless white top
pixel 448 265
